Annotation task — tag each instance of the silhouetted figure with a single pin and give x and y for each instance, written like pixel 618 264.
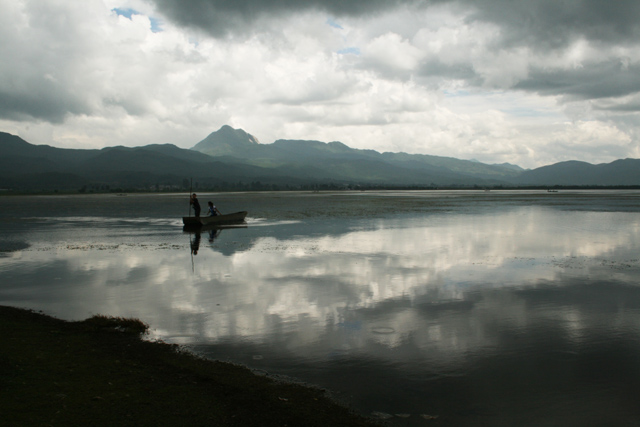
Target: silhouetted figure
pixel 196 204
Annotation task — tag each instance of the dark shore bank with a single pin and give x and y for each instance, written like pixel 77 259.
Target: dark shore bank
pixel 99 372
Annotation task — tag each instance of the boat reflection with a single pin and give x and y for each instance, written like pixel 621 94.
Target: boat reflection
pixel 212 232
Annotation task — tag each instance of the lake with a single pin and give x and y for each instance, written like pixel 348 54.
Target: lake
pixel 461 308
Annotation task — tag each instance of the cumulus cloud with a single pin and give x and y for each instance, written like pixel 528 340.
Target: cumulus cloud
pixel 38 77
pixel 543 28
pixel 494 80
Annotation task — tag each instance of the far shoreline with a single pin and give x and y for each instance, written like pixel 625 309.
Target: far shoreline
pixel 347 189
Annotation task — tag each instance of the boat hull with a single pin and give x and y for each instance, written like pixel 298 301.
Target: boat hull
pixel 232 218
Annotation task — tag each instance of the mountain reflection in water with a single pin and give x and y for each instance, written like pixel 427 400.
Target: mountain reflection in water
pixel 482 310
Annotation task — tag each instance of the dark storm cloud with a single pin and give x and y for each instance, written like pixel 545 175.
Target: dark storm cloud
pixel 551 24
pixel 40 103
pixel 253 8
pixel 630 107
pixel 604 80
pixel 219 17
pixel 543 23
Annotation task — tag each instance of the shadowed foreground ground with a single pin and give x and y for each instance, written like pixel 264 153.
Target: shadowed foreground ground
pixel 99 372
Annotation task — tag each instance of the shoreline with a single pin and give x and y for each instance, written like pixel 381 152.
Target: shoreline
pixel 100 372
pixel 470 187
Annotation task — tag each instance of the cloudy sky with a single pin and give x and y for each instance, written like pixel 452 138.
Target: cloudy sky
pixel 530 82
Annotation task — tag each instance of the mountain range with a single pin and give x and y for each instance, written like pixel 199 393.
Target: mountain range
pixel 232 159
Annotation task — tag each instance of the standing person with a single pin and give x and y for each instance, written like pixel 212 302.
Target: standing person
pixel 195 203
pixel 213 211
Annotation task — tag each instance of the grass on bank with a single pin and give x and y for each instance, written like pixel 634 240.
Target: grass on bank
pixel 99 372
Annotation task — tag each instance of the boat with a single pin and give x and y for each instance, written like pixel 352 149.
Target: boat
pixel 199 221
pixel 212 227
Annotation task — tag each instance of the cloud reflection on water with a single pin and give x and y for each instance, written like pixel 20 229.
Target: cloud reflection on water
pixel 484 315
pixel 253 288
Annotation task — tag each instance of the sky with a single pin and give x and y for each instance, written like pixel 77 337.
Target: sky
pixel 529 82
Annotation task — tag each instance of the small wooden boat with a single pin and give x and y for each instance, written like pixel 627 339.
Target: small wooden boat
pixel 209 227
pixel 232 218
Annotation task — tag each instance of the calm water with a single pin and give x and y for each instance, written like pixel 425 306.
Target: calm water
pixel 484 309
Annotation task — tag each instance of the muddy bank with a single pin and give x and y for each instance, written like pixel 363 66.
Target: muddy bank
pixel 100 372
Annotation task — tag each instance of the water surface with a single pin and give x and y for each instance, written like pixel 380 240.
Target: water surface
pixel 500 308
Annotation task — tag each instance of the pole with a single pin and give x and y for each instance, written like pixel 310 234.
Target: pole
pixel 193 267
pixel 190 189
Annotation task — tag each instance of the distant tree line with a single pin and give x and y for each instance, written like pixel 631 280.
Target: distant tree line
pixel 210 185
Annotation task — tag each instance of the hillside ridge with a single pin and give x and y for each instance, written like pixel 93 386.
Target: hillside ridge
pixel 232 159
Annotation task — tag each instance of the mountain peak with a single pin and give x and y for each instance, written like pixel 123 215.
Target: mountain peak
pixel 238 135
pixel 226 141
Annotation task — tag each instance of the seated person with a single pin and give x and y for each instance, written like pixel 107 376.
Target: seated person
pixel 213 211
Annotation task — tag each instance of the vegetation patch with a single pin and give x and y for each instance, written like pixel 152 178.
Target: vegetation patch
pixel 121 324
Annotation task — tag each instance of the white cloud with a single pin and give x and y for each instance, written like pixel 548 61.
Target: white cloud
pixel 444 80
pixel 392 52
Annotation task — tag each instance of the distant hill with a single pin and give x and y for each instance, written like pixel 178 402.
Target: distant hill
pixel 509 166
pixel 234 159
pixel 619 172
pixel 24 166
pixel 340 162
